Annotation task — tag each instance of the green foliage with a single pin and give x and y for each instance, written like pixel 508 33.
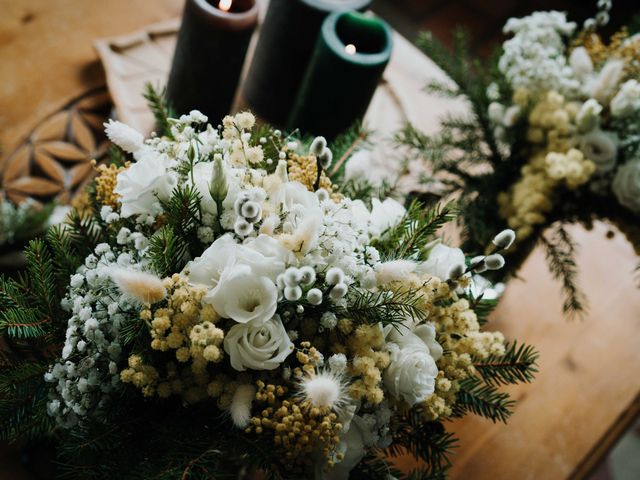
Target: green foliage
pixel 168 251
pixel 428 442
pixel 518 364
pixel 483 308
pixel 418 226
pixel 476 396
pixel 183 216
pixel 159 106
pixel 386 307
pixel 560 250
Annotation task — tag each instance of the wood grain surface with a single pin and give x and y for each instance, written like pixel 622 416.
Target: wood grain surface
pixel 587 389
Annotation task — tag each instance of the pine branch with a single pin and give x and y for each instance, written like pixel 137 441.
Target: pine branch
pixel 386 307
pixel 426 441
pixel 483 308
pixel 160 108
pixel 518 364
pixel 167 251
pixel 482 399
pixel 415 230
pixel 560 253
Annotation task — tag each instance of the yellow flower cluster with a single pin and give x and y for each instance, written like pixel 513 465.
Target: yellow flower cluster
pixel 621 46
pixel 298 427
pixel 458 332
pixel 242 154
pixel 369 359
pixel 186 327
pixel 304 169
pixel 554 162
pixel 106 182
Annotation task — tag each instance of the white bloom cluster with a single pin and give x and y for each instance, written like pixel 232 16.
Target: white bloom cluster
pixel 535 57
pixel 88 371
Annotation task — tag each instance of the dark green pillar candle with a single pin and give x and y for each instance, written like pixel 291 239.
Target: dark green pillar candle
pixel 348 62
pixel 287 39
pixel 210 52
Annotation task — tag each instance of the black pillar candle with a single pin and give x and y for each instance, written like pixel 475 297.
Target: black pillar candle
pixel 210 52
pixel 284 48
pixel 352 52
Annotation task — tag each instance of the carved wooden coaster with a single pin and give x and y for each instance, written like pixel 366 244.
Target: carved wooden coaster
pixel 54 162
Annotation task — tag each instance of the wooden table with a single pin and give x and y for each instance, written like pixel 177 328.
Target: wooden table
pixel 587 390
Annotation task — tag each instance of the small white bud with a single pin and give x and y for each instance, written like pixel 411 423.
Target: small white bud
pixel 334 276
pixel 322 194
pixel 504 239
pixel 281 171
pixel 339 291
pixel 293 293
pixel 308 275
pixel 251 211
pixel 318 145
pixel 325 158
pixel 314 296
pixel 456 271
pixel 300 309
pixel 242 227
pixel 477 264
pixel 292 277
pixel 494 261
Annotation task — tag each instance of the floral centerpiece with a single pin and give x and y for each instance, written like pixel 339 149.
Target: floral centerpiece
pixel 219 307
pixel 552 137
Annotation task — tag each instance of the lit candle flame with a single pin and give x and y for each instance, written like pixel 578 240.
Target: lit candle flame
pixel 350 49
pixel 225 5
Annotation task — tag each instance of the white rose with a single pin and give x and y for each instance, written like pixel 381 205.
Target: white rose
pixel 440 261
pixel 626 185
pixel 293 194
pixel 144 184
pixel 258 346
pixel 243 296
pixel 627 100
pixel 385 215
pixel 411 375
pixel 202 174
pixel 274 255
pixel 601 148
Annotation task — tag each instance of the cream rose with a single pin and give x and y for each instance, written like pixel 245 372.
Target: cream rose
pixel 243 296
pixel 411 375
pixel 626 185
pixel 258 346
pixel 144 184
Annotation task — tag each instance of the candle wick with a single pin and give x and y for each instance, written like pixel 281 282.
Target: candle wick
pixel 350 49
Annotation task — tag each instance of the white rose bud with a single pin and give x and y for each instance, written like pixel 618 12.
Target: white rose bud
pixel 218 186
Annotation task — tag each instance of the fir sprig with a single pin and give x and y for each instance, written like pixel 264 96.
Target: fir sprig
pixel 386 307
pixel 516 365
pixel 561 250
pixel 159 106
pixel 483 399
